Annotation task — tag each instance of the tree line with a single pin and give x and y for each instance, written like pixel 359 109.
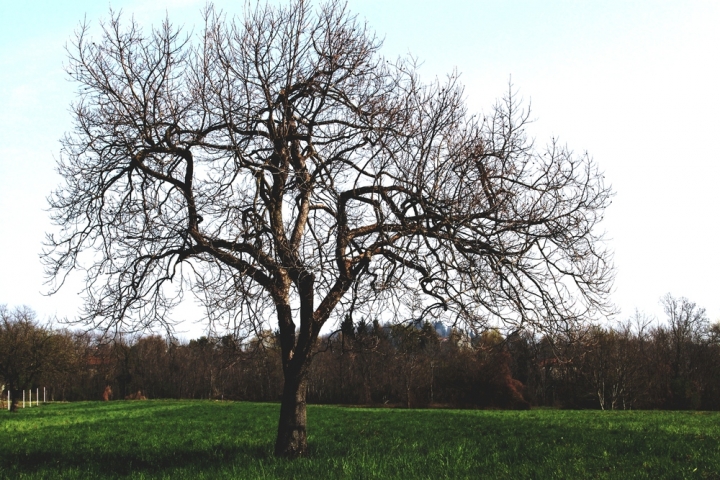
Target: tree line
pixel 638 364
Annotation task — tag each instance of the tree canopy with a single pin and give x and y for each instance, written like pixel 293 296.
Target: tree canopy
pixel 279 167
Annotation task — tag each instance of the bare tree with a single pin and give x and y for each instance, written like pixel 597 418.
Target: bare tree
pixel 687 321
pixel 688 326
pixel 279 167
pixel 27 351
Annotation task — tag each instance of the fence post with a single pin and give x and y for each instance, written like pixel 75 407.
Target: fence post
pixel 37 397
pixel 30 395
pixel 44 395
pixel 23 398
pixel 8 399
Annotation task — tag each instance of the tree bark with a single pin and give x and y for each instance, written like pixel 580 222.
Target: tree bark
pixel 292 435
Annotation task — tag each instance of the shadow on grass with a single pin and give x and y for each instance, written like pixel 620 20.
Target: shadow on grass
pixel 119 438
pixel 123 464
pixel 235 440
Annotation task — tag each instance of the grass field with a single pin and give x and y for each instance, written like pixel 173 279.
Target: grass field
pixel 202 439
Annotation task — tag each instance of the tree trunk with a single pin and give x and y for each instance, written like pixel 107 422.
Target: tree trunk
pixel 292 435
pixel 296 354
pixel 14 397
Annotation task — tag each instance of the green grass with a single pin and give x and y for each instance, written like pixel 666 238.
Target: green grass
pixel 202 439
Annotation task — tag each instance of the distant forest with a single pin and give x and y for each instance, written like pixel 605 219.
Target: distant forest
pixel 636 365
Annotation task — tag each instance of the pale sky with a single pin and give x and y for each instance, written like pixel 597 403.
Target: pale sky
pixel 633 83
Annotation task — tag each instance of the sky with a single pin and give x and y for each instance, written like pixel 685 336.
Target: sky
pixel 635 84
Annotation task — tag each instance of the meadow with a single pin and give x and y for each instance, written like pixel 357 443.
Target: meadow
pixel 206 439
